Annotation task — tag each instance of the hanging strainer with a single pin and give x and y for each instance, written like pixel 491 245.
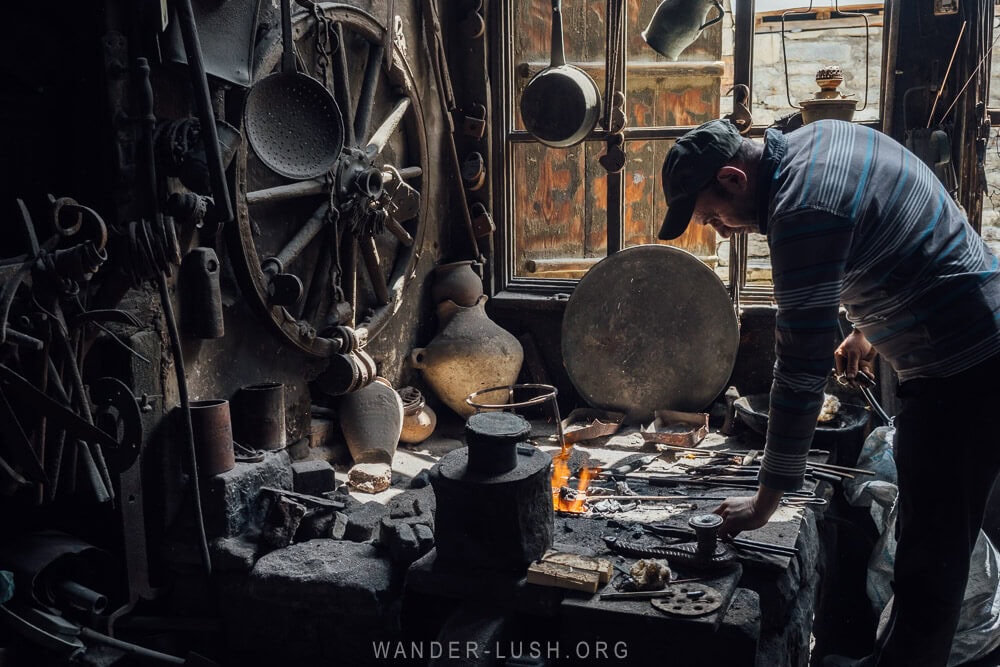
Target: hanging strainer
pixel 292 121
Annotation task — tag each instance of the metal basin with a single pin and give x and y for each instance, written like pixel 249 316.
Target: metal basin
pixel 753 410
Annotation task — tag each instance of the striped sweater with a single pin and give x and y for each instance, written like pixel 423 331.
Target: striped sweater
pixel 854 218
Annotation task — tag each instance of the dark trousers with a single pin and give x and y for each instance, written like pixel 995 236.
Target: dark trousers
pixel 948 457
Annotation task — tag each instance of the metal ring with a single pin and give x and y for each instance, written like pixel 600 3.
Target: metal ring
pixel 549 395
pixel 537 400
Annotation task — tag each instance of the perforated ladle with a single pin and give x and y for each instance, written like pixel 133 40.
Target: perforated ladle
pixel 292 121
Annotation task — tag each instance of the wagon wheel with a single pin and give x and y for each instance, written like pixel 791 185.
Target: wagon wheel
pixel 315 256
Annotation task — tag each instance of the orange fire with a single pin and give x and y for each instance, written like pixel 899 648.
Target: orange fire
pixel 560 477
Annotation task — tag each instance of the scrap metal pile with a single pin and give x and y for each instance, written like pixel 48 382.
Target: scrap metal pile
pixel 58 435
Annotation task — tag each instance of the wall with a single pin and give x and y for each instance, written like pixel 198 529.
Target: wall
pixel 79 127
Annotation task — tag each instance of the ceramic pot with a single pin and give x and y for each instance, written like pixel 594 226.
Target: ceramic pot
pixel 471 352
pixel 419 419
pixel 371 420
pixel 457 282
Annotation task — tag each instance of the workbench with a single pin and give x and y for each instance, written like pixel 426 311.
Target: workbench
pixel 768 599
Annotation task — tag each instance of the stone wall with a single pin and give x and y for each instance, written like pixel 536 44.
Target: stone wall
pixel 991 199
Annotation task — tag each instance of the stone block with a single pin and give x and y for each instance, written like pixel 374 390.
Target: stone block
pixel 233 554
pixel 334 575
pixel 363 521
pixel 313 477
pixel 229 500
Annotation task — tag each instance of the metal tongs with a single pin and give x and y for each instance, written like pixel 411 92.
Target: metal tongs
pixel 862 380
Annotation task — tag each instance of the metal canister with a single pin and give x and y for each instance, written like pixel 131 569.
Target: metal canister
pixel 259 416
pixel 213 436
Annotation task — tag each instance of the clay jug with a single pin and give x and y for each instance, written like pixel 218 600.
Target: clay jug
pixel 470 352
pixel 458 282
pixel 371 419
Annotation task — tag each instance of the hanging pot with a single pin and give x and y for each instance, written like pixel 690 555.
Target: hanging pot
pixel 561 104
pixel 677 23
pixel 292 121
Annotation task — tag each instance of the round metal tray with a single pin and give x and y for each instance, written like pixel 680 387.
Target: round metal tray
pixel 650 328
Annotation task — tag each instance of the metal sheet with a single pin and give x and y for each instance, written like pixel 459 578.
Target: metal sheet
pixel 650 328
pixel 227 31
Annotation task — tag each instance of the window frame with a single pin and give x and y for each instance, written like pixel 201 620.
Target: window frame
pixel 507 284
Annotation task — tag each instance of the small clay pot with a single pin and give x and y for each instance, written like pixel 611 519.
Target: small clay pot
pixel 458 282
pixel 419 419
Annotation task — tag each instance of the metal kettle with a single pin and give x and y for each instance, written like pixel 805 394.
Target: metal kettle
pixel 677 23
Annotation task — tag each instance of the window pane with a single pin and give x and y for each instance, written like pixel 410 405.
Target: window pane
pixel 682 92
pixel 813 39
pixel 583 42
pixel 645 204
pixel 991 202
pixel 559 209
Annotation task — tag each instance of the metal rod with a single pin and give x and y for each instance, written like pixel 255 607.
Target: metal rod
pixel 830 466
pixel 763 547
pixel 653 498
pixel 223 208
pixel 947 73
pixel 647 595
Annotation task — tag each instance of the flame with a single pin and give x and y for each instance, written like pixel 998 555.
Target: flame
pixel 560 477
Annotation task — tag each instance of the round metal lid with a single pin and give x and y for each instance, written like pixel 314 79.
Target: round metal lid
pixel 650 328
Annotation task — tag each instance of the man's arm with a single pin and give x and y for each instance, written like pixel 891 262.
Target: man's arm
pixel 809 252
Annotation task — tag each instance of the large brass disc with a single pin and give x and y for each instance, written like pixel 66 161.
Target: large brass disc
pixel 650 328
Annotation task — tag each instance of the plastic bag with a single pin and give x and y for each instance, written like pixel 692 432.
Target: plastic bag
pixel 979 623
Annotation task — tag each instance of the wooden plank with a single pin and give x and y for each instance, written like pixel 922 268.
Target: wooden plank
pixel 642 69
pixel 558 575
pixel 603 566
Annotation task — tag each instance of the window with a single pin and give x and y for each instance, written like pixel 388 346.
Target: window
pixel 991 159
pixel 564 211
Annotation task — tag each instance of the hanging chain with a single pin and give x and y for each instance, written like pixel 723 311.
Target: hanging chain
pixel 324 44
pixel 336 270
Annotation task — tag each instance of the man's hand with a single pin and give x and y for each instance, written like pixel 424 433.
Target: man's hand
pixel 855 354
pixel 747 512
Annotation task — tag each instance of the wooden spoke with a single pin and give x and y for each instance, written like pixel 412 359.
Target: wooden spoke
pixel 369 86
pixel 342 84
pixel 387 128
pixel 370 254
pixel 280 193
